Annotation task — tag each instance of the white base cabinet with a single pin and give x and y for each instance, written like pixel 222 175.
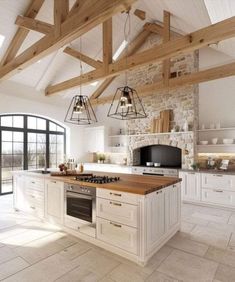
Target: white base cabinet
pixel 208 188
pixel 54 201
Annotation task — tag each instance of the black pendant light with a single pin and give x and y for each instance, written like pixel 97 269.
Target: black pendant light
pixel 126 103
pixel 80 110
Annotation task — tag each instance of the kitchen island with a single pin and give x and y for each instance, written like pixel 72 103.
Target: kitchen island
pixel 132 217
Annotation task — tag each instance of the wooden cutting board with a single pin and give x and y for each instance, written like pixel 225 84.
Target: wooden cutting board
pixel 166 117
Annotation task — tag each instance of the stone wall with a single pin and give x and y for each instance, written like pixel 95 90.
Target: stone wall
pixel 183 102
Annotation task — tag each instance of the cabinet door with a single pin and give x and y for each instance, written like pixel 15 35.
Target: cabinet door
pixel 172 206
pixel 191 189
pixel 217 196
pixel 117 234
pixel 19 192
pixel 54 201
pixel 155 218
pixel 95 139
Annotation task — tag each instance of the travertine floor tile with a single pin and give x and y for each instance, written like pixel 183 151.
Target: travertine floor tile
pixel 161 277
pixel 75 250
pixel 79 274
pixel 7 254
pixel 187 267
pixel 127 273
pixel 186 227
pixel 11 267
pixel 225 273
pixel 188 245
pixel 211 236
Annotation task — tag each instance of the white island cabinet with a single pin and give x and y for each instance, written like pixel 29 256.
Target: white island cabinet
pixel 131 225
pixel 54 201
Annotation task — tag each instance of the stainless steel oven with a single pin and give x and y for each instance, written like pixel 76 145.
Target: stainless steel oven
pixel 80 205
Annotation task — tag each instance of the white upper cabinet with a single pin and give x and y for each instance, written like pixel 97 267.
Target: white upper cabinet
pixel 94 137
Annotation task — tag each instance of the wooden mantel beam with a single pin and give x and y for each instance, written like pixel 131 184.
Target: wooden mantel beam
pixel 90 15
pixel 188 43
pixel 78 55
pixel 182 81
pixel 166 38
pixel 32 24
pixel 21 33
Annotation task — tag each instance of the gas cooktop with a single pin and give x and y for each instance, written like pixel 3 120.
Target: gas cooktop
pixel 97 179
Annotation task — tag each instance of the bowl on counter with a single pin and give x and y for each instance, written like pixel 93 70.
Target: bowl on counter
pixel 157 164
pixel 203 142
pixel 149 163
pixel 228 141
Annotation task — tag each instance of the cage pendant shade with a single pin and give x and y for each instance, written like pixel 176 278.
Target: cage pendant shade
pixel 126 105
pixel 80 111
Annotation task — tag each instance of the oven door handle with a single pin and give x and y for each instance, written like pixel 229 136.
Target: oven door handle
pixel 78 195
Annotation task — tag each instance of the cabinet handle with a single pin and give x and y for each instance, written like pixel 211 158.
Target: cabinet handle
pixel 191 172
pixel 115 194
pixel 33 208
pixel 174 185
pixel 158 192
pixel 116 225
pixel 218 191
pixel 32 196
pixel 115 204
pixel 218 175
pixel 32 182
pixel 53 181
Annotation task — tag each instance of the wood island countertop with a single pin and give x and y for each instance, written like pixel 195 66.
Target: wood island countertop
pixel 131 183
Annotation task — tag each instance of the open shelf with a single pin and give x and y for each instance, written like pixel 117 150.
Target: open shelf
pixel 155 134
pixel 216 129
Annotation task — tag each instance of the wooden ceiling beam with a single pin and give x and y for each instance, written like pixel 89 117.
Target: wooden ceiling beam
pixel 166 38
pixel 155 28
pixel 107 44
pixel 133 47
pixel 188 43
pixel 140 14
pixel 223 71
pixel 32 24
pixel 89 61
pixel 21 33
pixel 84 20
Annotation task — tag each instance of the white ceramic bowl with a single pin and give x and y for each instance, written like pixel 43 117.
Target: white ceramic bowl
pixel 157 164
pixel 149 163
pixel 214 141
pixel 227 141
pixel 203 142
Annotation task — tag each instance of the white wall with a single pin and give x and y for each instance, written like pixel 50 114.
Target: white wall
pixel 11 103
pixel 217 97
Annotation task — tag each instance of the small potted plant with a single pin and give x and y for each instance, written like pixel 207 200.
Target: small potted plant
pixel 101 158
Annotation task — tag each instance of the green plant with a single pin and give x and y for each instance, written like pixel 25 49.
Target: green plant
pixel 195 166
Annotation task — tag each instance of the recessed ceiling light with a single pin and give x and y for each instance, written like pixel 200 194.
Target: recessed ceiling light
pixel 2 38
pixel 94 83
pixel 119 50
pixel 39 61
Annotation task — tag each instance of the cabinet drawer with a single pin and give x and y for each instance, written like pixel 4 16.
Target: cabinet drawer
pixel 117 211
pixel 117 234
pixel 117 196
pixel 34 183
pixel 217 196
pixel 220 181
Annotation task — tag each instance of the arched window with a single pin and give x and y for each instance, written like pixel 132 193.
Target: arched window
pixel 28 142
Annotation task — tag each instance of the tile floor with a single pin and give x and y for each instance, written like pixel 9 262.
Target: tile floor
pixel 30 251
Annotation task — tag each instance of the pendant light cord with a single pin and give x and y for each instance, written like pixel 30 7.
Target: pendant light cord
pixel 81 70
pixel 127 31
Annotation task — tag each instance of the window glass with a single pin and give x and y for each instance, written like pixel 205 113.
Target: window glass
pixel 18 121
pixel 32 122
pixel 52 126
pixel 6 121
pixel 18 136
pixel 7 136
pixel 41 124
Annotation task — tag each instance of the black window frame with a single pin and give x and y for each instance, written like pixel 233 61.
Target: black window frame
pixel 25 131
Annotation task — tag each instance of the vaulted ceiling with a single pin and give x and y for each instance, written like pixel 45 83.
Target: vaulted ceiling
pixel 187 16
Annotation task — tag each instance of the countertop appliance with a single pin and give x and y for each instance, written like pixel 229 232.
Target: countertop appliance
pixel 97 179
pixel 80 208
